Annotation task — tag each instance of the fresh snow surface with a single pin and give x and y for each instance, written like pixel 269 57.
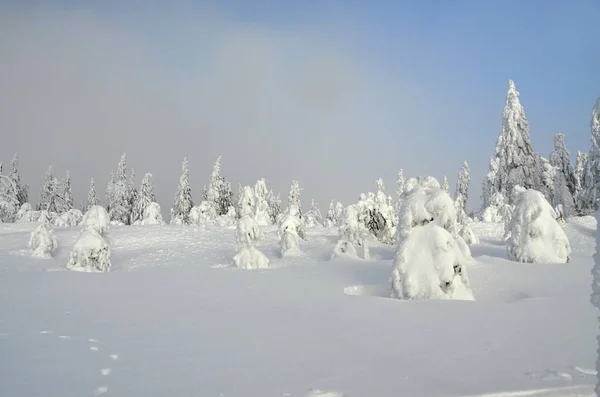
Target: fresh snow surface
pixel 174 318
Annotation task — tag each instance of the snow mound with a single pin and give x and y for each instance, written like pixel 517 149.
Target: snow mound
pixel 97 219
pixel 249 257
pixel 247 233
pixel 291 230
pixel 42 241
pixel 152 215
pixel 431 257
pixel 91 253
pixel 70 218
pixel 535 235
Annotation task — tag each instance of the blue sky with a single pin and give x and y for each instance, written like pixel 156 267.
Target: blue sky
pixel 333 93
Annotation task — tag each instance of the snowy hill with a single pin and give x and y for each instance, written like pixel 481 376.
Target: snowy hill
pixel 173 318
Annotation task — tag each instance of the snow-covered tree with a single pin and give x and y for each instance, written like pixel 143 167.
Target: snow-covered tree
pixel 462 192
pixel 48 193
pixel 274 202
pixel 143 198
pixel 203 214
pixel 261 210
pixel 183 203
pixel 97 219
pixel 331 219
pixel 247 234
pixel 120 208
pixel 545 178
pixel 291 230
pixel 152 215
pixel 9 202
pixel 353 234
pixel 109 193
pixel 382 218
pixel 132 196
pixel 489 187
pixel 92 198
pixel 313 217
pixel 294 207
pixel 65 203
pixel 399 190
pixel 22 190
pixel 219 190
pixel 498 211
pixel 580 166
pixel 595 298
pixel 587 200
pixel 565 180
pixel 514 158
pixel 42 241
pixel 535 235
pixel 70 218
pixel 26 214
pixel 431 258
pixel 445 184
pixel 91 253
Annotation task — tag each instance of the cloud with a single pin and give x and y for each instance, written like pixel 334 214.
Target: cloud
pixel 81 87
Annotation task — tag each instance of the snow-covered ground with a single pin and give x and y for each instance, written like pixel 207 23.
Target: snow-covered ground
pixel 173 318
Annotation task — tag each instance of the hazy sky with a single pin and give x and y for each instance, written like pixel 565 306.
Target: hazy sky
pixel 332 93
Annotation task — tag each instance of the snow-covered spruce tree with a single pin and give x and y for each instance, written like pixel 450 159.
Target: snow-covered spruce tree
pixel 580 166
pixel 460 203
pixel 9 202
pixel 42 241
pixel 26 214
pixel 498 211
pixel 595 298
pixel 431 258
pixel 144 198
pixel 445 184
pixel 399 190
pixel 587 200
pixel 91 252
pixel 545 178
pixel 219 192
pixel 132 196
pixel 247 233
pixel 22 190
pixel 48 193
pixel 261 210
pixel 66 194
pixel 120 208
pixel 332 219
pixel 182 205
pixel 109 192
pixel 152 215
pixel 313 217
pixel 70 218
pixel 291 225
pixel 92 198
pixel 489 187
pixel 382 217
pixel 294 207
pixel 535 235
pixel 565 180
pixel 516 160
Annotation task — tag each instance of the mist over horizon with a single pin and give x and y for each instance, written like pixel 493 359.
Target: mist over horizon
pixel 332 99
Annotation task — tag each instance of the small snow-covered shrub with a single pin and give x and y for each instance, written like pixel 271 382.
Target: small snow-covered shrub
pixel 291 230
pixel 203 214
pixel 247 233
pixel 91 253
pixel 498 210
pixel 42 241
pixel 353 233
pixel 152 215
pixel 431 257
pixel 228 219
pixel 535 235
pixel 96 218
pixel 70 218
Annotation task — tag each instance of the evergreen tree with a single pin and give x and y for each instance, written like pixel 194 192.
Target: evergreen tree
pixel 515 159
pixel 120 209
pixel 294 206
pixel 261 210
pixel 219 190
pixel 587 201
pixel 545 176
pixel 143 199
pixel 490 184
pixel 9 204
pixel 132 195
pixel 462 192
pixel 274 206
pixel 565 179
pixel 445 185
pixel 109 193
pixel 182 205
pixel 46 200
pixel 66 193
pixel 399 190
pixel 581 160
pixel 92 199
pixel 22 190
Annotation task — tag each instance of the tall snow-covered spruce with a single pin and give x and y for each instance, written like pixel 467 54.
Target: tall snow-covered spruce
pixel 92 198
pixel 514 161
pixel 182 205
pixel 431 258
pixel 587 202
pixel 143 198
pixel 120 208
pixel 247 234
pixel 291 225
pixel 399 190
pixel 22 190
pixel 565 180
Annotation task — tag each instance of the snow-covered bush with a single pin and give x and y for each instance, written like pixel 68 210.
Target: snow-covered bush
pixel 261 204
pixel 431 258
pixel 42 241
pixel 313 217
pixel 203 214
pixel 247 233
pixel 291 230
pixel 9 200
pixel 535 235
pixel 69 219
pixel 228 219
pixel 26 214
pixel 96 218
pixel 353 233
pixel 498 211
pixel 152 215
pixel 91 253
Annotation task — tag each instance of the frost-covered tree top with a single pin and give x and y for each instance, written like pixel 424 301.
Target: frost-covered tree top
pixel 561 160
pixel 183 203
pixel 22 190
